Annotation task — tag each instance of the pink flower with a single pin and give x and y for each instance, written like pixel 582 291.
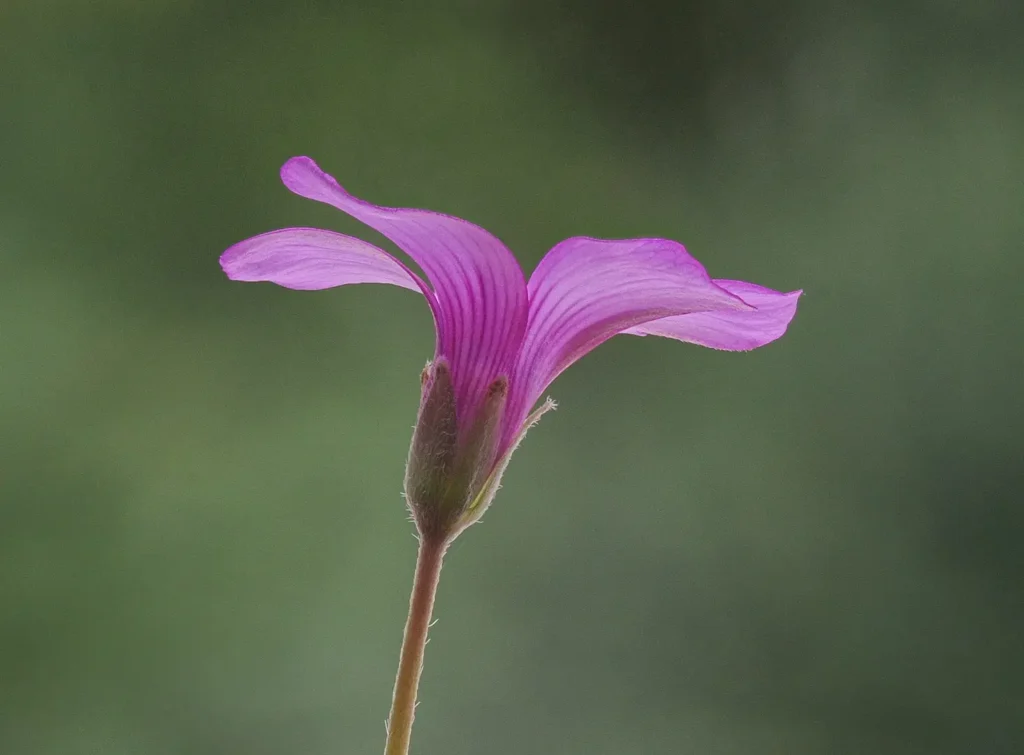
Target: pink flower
pixel 501 340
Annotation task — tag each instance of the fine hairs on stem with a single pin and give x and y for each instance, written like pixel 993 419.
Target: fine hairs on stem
pixel 410 665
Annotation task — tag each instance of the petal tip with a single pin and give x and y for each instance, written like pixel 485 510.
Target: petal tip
pixel 298 163
pixel 301 175
pixel 229 260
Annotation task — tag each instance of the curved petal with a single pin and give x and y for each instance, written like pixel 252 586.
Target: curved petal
pixel 731 330
pixel 587 290
pixel 481 294
pixel 309 259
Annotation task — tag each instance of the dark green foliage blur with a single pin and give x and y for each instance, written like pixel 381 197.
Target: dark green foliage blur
pixel 811 548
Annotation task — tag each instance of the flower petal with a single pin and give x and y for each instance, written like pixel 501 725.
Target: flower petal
pixel 481 294
pixel 587 290
pixel 309 259
pixel 731 330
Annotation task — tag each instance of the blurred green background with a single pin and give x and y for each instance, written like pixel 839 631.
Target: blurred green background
pixel 811 548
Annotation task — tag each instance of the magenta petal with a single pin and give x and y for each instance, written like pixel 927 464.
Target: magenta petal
pixel 731 330
pixel 309 259
pixel 587 290
pixel 481 294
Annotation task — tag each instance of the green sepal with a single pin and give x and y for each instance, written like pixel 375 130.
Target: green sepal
pixel 447 468
pixel 434 444
pixel 489 489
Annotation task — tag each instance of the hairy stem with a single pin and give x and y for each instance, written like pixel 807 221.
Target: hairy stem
pixel 421 605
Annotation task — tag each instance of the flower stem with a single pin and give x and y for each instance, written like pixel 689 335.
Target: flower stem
pixel 421 605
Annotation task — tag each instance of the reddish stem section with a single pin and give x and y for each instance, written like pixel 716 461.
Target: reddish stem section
pixel 410 665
